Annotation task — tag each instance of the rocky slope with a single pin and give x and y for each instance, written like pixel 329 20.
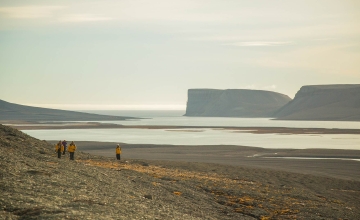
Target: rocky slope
pixel 323 103
pixel 233 103
pixel 10 111
pixel 35 184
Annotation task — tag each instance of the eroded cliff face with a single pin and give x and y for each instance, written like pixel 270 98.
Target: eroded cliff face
pixel 323 103
pixel 233 103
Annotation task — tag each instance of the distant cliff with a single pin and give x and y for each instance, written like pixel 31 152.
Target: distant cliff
pixel 10 111
pixel 323 103
pixel 233 103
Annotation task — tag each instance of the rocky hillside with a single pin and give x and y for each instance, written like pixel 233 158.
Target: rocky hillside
pixel 234 103
pixel 10 111
pixel 35 184
pixel 323 103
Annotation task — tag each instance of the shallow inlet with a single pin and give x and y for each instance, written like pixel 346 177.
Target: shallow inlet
pixel 203 137
pixel 314 158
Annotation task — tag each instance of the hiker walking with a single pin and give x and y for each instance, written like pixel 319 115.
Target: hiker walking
pixel 118 152
pixel 59 148
pixel 72 149
pixel 64 143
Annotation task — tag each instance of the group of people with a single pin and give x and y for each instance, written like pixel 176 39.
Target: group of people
pixel 61 147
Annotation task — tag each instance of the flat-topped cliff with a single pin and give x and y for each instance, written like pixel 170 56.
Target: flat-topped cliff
pixel 10 111
pixel 233 103
pixel 323 103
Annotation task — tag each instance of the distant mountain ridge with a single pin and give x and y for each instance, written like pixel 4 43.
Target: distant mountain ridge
pixel 11 111
pixel 234 103
pixel 336 102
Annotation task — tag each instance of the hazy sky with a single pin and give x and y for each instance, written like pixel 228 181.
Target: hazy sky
pixel 139 54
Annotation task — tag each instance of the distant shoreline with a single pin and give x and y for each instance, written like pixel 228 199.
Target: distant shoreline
pixel 255 130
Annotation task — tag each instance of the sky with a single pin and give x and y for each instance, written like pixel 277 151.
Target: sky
pixel 142 54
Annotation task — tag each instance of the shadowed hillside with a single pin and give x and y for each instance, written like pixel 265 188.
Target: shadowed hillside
pixel 10 111
pixel 323 103
pixel 234 103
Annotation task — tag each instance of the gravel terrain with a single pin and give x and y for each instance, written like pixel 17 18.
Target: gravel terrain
pixel 35 184
pixel 335 163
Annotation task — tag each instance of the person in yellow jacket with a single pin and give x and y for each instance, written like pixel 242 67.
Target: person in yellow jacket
pixel 118 152
pixel 72 149
pixel 59 148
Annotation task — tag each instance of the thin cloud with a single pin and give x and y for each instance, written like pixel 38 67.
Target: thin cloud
pixel 325 39
pixel 325 59
pixel 255 87
pixel 252 86
pixel 84 18
pixel 260 43
pixel 270 87
pixel 26 12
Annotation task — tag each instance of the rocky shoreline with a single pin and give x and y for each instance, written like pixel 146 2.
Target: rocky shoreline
pixel 35 184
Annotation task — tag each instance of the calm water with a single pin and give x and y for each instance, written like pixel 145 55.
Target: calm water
pixel 206 136
pixel 175 118
pixel 200 137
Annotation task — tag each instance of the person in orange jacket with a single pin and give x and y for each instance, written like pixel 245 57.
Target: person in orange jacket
pixel 118 152
pixel 72 149
pixel 59 148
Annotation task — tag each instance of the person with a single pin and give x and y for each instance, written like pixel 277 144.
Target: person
pixel 59 148
pixel 64 143
pixel 118 152
pixel 72 149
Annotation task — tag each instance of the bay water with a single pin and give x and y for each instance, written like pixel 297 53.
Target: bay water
pixel 207 136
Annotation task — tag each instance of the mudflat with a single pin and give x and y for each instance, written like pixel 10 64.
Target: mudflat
pixel 334 163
